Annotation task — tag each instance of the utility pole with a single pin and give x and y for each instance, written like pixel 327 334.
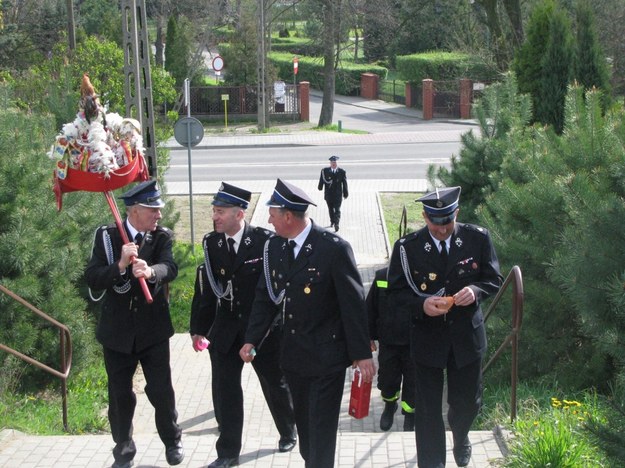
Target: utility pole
pixel 71 27
pixel 138 78
pixel 262 54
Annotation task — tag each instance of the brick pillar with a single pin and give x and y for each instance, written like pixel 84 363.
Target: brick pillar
pixel 304 101
pixel 428 99
pixel 466 88
pixel 408 94
pixel 369 85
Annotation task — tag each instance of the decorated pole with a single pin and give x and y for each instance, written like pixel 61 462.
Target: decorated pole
pixel 99 152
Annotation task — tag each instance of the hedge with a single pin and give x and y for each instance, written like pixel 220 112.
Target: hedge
pixel 443 66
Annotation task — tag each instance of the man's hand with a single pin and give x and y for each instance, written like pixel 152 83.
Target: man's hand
pixel 247 352
pixel 435 306
pixel 367 369
pixel 464 297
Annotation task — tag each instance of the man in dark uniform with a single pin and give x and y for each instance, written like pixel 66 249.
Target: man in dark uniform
pixel 396 373
pixel 441 261
pixel 224 291
pixel 131 330
pixel 311 275
pixel 333 182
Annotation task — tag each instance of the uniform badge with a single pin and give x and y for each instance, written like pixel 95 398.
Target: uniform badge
pixel 458 242
pixel 423 286
pixel 220 243
pixel 307 289
pixel 427 247
pixel 432 276
pixel 308 247
pixel 222 271
pixel 247 241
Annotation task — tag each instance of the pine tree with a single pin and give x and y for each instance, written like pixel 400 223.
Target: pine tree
pixel 528 58
pixel 557 194
pixel 177 49
pixel 42 251
pixel 591 69
pixel 556 72
pixel 477 166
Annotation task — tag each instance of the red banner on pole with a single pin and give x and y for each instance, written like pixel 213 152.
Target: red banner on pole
pixel 295 65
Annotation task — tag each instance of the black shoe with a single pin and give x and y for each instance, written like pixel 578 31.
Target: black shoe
pixel 409 422
pixel 386 421
pixel 286 445
pixel 126 464
pixel 123 453
pixel 462 452
pixel 336 227
pixel 174 453
pixel 223 462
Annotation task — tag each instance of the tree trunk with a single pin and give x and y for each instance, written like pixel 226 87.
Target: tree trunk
pixel 513 10
pixel 158 46
pixel 327 104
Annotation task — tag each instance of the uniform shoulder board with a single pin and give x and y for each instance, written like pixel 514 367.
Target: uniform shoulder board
pixel 263 232
pixel 408 237
pixel 166 230
pixel 327 235
pixel 474 228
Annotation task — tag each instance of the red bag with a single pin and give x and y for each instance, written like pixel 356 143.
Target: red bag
pixel 359 397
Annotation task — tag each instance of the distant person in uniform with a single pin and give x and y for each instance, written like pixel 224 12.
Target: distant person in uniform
pixel 311 275
pixel 131 330
pixel 224 292
pixel 333 182
pixel 396 372
pixel 441 274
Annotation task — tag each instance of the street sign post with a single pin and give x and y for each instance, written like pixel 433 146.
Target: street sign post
pixel 225 98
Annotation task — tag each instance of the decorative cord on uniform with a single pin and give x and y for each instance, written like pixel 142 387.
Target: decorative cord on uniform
pixel 215 286
pixel 404 264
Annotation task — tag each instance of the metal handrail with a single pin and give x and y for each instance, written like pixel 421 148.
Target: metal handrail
pixel 516 279
pixel 65 348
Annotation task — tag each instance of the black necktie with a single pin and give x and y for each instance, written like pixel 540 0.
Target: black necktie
pixel 138 238
pixel 444 253
pixel 292 245
pixel 232 253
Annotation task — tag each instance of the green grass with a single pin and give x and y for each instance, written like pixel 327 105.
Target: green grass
pixel 393 205
pixel 335 128
pixel 41 413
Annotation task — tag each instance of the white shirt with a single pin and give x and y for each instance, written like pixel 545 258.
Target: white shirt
pixel 237 239
pixel 301 238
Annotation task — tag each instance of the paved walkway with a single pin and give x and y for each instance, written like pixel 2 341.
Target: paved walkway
pixel 360 442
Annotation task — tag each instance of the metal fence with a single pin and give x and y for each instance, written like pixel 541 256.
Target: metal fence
pixel 242 100
pixel 446 99
pixel 392 91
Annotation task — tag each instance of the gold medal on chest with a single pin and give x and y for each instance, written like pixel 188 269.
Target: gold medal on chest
pixel 432 276
pixel 423 286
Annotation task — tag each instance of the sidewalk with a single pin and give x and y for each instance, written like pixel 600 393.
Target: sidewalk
pixel 360 443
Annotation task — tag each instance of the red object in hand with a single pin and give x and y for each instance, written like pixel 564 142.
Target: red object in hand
pixel 202 344
pixel 359 397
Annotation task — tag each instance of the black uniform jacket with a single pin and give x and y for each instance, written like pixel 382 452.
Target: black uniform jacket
pixel 472 262
pixel 333 183
pixel 127 322
pixel 388 326
pixel 222 321
pixel 324 316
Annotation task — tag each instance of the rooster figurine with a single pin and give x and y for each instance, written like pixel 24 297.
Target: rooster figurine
pixel 89 101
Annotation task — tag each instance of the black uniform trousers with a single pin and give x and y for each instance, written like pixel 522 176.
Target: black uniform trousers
pixel 334 209
pixel 120 368
pixel 464 388
pixel 228 397
pixel 396 372
pixel 317 404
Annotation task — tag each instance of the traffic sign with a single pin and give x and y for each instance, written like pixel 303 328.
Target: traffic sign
pixel 188 131
pixel 218 63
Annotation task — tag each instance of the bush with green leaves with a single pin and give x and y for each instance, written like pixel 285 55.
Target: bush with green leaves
pixel 42 251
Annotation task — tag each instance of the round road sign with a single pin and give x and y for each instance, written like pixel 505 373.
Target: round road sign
pixel 218 63
pixel 188 126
